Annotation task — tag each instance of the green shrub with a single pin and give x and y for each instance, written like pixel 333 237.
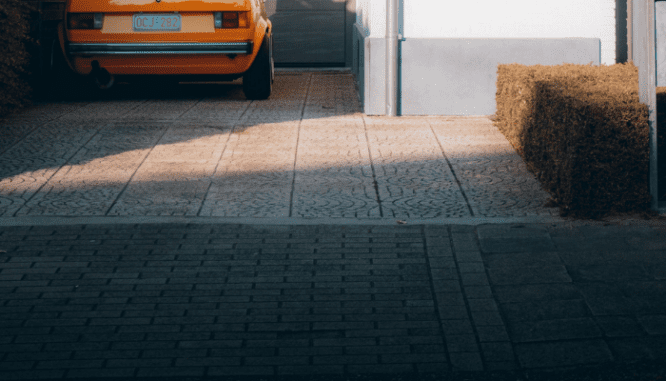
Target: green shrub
pixel 582 131
pixel 14 58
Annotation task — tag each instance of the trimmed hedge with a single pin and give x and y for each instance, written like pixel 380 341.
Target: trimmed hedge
pixel 582 131
pixel 14 57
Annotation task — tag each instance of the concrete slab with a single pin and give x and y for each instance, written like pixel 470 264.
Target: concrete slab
pixel 202 150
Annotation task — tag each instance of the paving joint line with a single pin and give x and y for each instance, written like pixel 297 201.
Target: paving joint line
pixel 141 103
pixel 448 162
pixel 447 355
pixel 129 181
pixel 298 138
pixel 240 118
pixel 502 316
pixel 372 167
pixel 219 160
pixel 466 301
pixel 191 107
pixel 497 313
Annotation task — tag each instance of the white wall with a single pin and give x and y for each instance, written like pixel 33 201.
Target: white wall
pixel 371 16
pixel 499 19
pixel 660 13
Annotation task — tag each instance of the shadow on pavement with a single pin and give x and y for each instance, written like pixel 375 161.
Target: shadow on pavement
pixel 200 169
pixel 35 134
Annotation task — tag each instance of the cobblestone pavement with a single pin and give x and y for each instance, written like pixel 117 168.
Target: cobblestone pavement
pixel 308 152
pixel 206 300
pixel 118 258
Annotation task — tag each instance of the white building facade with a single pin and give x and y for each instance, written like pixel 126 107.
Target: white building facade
pixel 449 50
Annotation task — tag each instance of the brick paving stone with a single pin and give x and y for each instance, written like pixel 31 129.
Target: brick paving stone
pixel 462 343
pixel 522 259
pixel 619 326
pixel 545 310
pixel 486 318
pixel 100 373
pixel 33 374
pixel 612 305
pixel 607 272
pixel 653 324
pixel 463 256
pixel 498 352
pixel 528 275
pixel 171 372
pixel 560 329
pixel 536 292
pixel 502 245
pixel 478 292
pixel 310 369
pixel 563 353
pixel 492 333
pixel 466 361
pixel 630 349
pixel 381 368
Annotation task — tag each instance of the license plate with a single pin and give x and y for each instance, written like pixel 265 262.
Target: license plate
pixel 153 22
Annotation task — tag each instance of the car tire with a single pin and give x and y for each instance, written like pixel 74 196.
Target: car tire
pixel 258 80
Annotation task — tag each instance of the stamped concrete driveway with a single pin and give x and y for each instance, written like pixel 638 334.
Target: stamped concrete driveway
pixel 307 153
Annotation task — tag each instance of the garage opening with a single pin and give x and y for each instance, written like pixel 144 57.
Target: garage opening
pixel 312 33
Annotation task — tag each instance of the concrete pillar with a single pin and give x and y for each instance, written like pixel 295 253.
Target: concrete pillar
pixel 392 57
pixel 643 52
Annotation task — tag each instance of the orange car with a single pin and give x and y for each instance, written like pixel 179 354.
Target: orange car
pixel 215 39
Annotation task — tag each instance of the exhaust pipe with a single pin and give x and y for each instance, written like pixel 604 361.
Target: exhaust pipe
pixel 101 77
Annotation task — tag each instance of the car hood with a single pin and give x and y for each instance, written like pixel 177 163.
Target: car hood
pixel 155 6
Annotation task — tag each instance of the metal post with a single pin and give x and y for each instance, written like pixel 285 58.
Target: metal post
pixel 392 57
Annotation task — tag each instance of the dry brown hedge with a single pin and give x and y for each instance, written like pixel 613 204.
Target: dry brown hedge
pixel 14 57
pixel 582 131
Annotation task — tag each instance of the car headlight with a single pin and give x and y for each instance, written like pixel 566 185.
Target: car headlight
pixel 85 20
pixel 226 20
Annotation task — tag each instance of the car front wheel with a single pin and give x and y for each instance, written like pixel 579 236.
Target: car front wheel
pixel 258 80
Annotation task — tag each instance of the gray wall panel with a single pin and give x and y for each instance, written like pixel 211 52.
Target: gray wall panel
pixel 458 76
pixel 375 76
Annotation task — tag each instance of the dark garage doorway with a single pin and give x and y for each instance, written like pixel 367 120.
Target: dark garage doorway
pixel 312 33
